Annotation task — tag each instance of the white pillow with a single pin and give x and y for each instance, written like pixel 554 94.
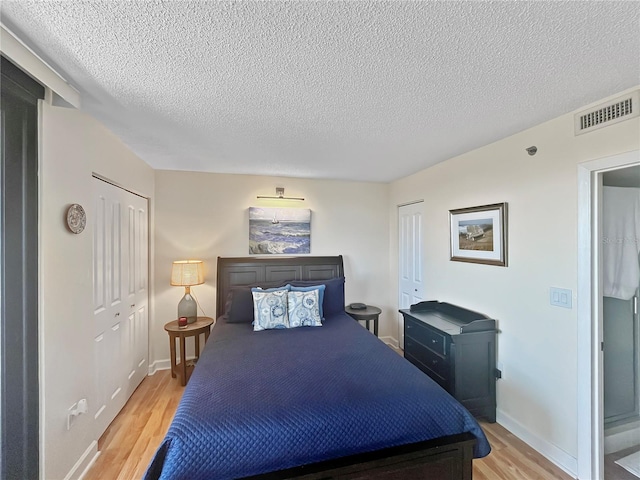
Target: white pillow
pixel 270 310
pixel 304 309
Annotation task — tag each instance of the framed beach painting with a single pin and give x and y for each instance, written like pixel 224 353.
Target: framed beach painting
pixel 479 234
pixel 279 231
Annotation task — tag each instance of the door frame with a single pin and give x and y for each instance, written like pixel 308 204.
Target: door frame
pixel 590 394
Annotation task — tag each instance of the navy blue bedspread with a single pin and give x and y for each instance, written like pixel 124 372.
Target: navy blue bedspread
pixel 265 401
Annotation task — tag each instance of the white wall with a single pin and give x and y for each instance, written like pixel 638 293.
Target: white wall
pixel 73 146
pixel 204 215
pixel 537 397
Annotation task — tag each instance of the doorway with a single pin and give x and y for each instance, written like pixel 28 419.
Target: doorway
pixel 621 190
pixel 621 337
pixel 410 269
pixel 591 309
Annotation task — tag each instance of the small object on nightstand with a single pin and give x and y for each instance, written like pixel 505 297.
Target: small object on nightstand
pixel 182 322
pixel 357 306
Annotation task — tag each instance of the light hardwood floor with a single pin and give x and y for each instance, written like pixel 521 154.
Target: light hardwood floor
pixel 131 440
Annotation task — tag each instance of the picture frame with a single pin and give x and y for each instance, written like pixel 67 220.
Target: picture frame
pixel 479 234
pixel 279 231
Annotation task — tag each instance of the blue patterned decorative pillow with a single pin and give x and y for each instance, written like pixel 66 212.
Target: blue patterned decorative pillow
pixel 320 289
pixel 304 309
pixel 333 302
pixel 269 309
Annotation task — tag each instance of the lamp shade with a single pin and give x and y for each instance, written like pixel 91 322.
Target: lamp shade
pixel 187 272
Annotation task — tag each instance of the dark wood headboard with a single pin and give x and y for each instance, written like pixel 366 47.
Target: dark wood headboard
pixel 249 270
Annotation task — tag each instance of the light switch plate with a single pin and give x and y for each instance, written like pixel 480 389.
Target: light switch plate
pixel 560 297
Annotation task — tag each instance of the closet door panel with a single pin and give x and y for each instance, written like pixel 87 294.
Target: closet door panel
pixel 114 349
pixel 100 378
pixel 120 298
pixel 137 291
pixel 128 353
pixel 141 290
pixel 132 252
pixel 114 257
pixel 140 340
pixel 107 295
pixel 99 256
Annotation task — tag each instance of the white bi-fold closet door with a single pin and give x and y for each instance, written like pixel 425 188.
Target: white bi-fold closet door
pixel 410 276
pixel 120 298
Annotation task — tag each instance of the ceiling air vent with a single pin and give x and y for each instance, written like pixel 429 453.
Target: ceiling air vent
pixel 606 114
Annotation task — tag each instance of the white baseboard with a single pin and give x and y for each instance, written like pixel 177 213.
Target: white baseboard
pixel 390 341
pixel 164 364
pixel 159 365
pixel 84 462
pixel 88 467
pixel 554 454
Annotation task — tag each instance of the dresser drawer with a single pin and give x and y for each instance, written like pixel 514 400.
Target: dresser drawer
pixel 427 357
pixel 427 337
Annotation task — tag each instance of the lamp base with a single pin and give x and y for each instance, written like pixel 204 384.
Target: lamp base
pixel 188 308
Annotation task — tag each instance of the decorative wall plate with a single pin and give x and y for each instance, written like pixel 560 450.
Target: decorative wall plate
pixel 76 218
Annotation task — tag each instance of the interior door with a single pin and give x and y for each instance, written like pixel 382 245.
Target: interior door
pixel 120 290
pixel 410 268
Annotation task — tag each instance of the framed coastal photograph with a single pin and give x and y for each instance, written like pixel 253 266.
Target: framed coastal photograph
pixel 279 231
pixel 479 234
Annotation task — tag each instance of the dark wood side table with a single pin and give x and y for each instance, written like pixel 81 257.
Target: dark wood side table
pixel 195 329
pixel 366 314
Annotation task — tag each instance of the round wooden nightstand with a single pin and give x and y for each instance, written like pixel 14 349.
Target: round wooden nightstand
pixel 195 329
pixel 367 314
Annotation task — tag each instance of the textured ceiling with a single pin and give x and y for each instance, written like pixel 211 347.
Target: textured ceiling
pixel 371 90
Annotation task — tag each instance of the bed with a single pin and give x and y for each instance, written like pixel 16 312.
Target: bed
pixel 312 402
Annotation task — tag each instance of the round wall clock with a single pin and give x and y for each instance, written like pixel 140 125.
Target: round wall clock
pixel 76 218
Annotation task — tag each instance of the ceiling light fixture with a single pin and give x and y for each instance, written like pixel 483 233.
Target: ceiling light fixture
pixel 280 195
